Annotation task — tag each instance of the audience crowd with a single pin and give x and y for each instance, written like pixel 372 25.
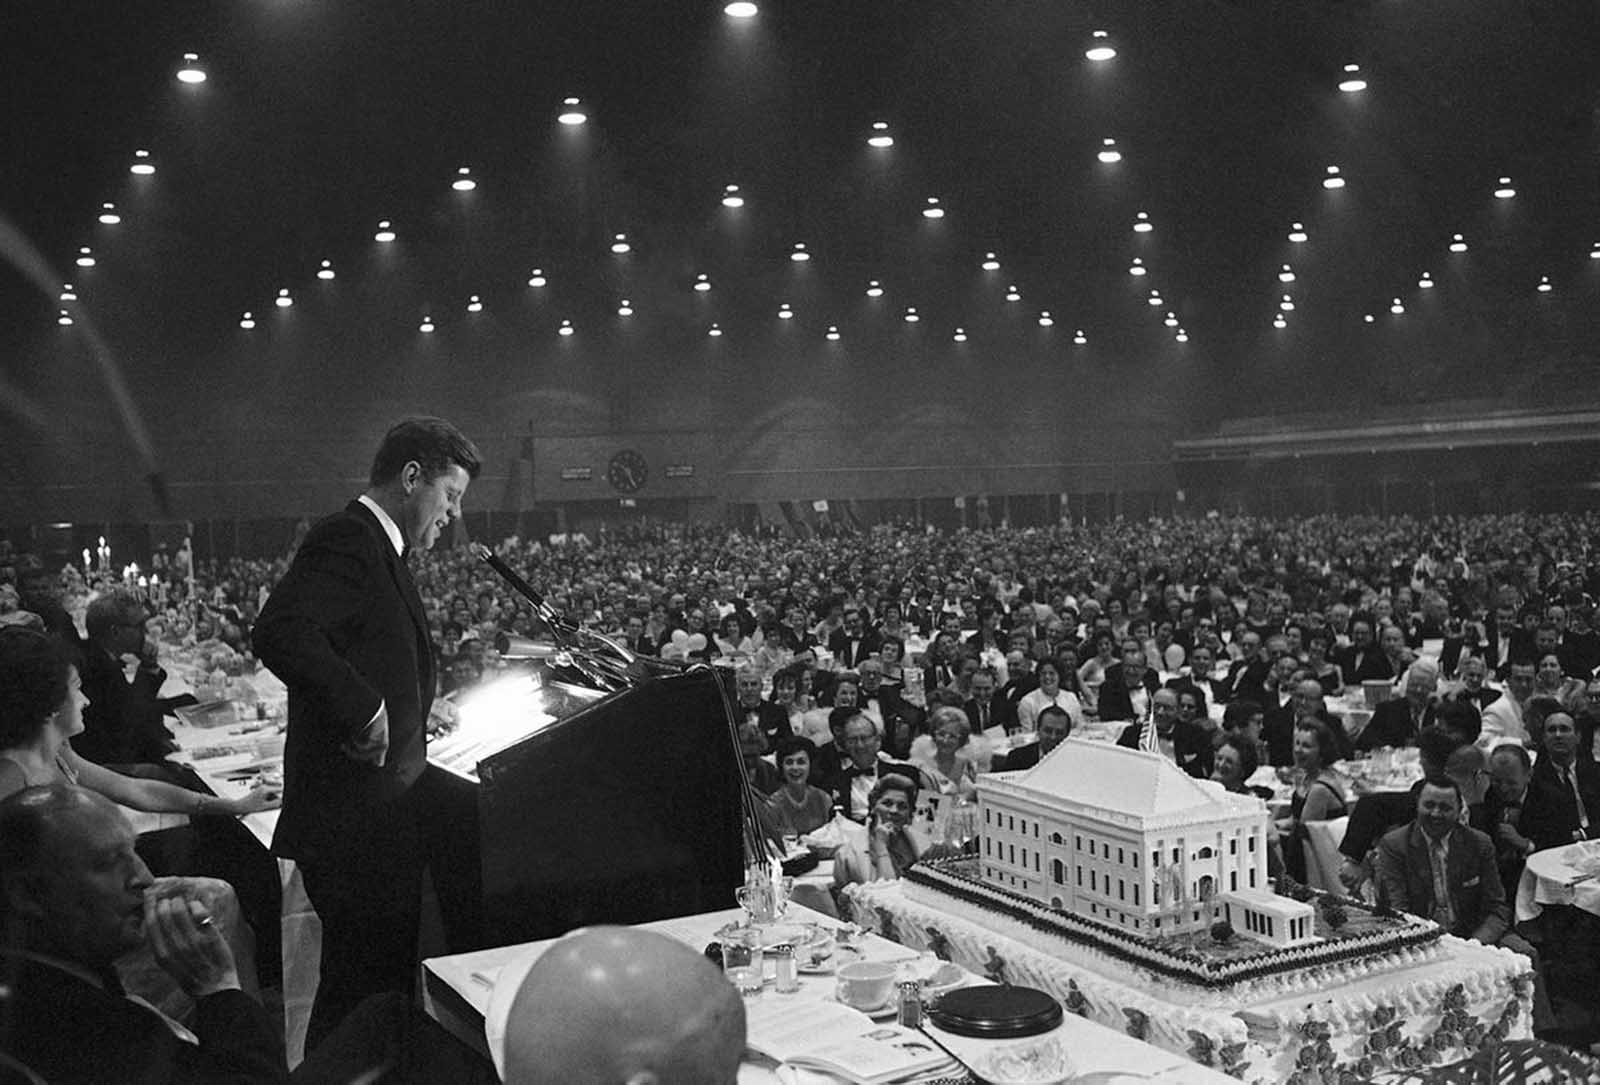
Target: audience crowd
pixel 879 672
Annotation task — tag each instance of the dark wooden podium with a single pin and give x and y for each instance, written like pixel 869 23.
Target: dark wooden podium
pixel 626 810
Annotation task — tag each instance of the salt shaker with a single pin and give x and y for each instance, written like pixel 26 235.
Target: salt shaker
pixel 787 982
pixel 910 1003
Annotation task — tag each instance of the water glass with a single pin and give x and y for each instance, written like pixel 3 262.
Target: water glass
pixel 742 960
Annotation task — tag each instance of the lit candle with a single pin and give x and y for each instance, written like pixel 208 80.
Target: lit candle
pixel 86 567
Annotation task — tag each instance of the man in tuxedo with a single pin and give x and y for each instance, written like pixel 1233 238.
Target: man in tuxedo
pixel 39 592
pixel 1398 721
pixel 1052 727
pixel 1509 770
pixel 1201 661
pixel 984 709
pixel 853 642
pixel 1562 803
pixel 768 718
pixel 1248 674
pixel 1128 686
pixel 1362 656
pixel 943 665
pixel 862 765
pixel 122 723
pixel 1474 691
pixel 1185 743
pixel 1020 680
pixel 1504 637
pixel 345 631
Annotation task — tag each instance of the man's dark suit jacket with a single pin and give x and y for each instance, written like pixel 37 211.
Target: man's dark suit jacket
pixel 1247 681
pixel 122 723
pixel 1023 757
pixel 773 719
pixel 1519 646
pixel 939 675
pixel 1017 688
pixel 345 630
pixel 1392 725
pixel 1002 713
pixel 1549 810
pixel 1115 703
pixel 1477 895
pixel 1191 745
pixel 866 646
pixel 839 783
pixel 69 1030
pixel 1374 666
pixel 1480 700
pixel 1353 661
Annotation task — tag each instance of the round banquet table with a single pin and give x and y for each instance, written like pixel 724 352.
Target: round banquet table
pixel 1568 875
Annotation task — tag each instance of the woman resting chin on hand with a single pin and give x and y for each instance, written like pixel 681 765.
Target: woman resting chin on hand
pixel 892 846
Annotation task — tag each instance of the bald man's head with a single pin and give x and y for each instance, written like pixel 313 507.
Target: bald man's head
pixel 614 1005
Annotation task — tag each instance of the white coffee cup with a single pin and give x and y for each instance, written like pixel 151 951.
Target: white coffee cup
pixel 865 985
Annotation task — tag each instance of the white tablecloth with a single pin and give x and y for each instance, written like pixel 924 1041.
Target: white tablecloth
pixel 488 981
pixel 1554 876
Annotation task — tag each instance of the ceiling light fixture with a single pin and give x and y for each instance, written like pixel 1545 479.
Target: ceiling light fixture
pixel 191 72
pixel 572 114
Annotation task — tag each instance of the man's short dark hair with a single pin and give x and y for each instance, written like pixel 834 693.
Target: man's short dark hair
pixel 1053 710
pixel 1460 718
pixel 1237 714
pixel 1516 751
pixel 432 442
pixel 1434 747
pixel 1440 780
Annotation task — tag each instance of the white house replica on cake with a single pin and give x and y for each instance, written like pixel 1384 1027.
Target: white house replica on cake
pixel 1121 836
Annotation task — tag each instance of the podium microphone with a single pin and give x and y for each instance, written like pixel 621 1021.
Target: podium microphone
pixel 511 646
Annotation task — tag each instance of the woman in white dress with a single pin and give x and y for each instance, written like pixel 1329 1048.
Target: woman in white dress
pixel 1049 693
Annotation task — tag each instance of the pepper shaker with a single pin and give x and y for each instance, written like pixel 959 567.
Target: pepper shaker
pixel 787 980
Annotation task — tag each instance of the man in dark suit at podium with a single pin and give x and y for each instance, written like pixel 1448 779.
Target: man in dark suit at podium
pixel 346 631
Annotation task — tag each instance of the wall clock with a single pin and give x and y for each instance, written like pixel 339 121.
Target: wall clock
pixel 627 471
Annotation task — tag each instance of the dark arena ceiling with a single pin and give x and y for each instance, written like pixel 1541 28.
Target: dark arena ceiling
pixel 319 119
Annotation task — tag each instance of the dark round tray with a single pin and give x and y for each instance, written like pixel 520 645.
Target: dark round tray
pixel 801 864
pixel 996 1012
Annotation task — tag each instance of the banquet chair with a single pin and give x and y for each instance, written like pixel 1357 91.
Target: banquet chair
pixel 1322 854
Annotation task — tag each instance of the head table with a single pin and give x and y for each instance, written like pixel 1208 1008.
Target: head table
pixel 470 995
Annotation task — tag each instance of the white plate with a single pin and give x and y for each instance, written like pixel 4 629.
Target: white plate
pixel 828 965
pixel 882 1013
